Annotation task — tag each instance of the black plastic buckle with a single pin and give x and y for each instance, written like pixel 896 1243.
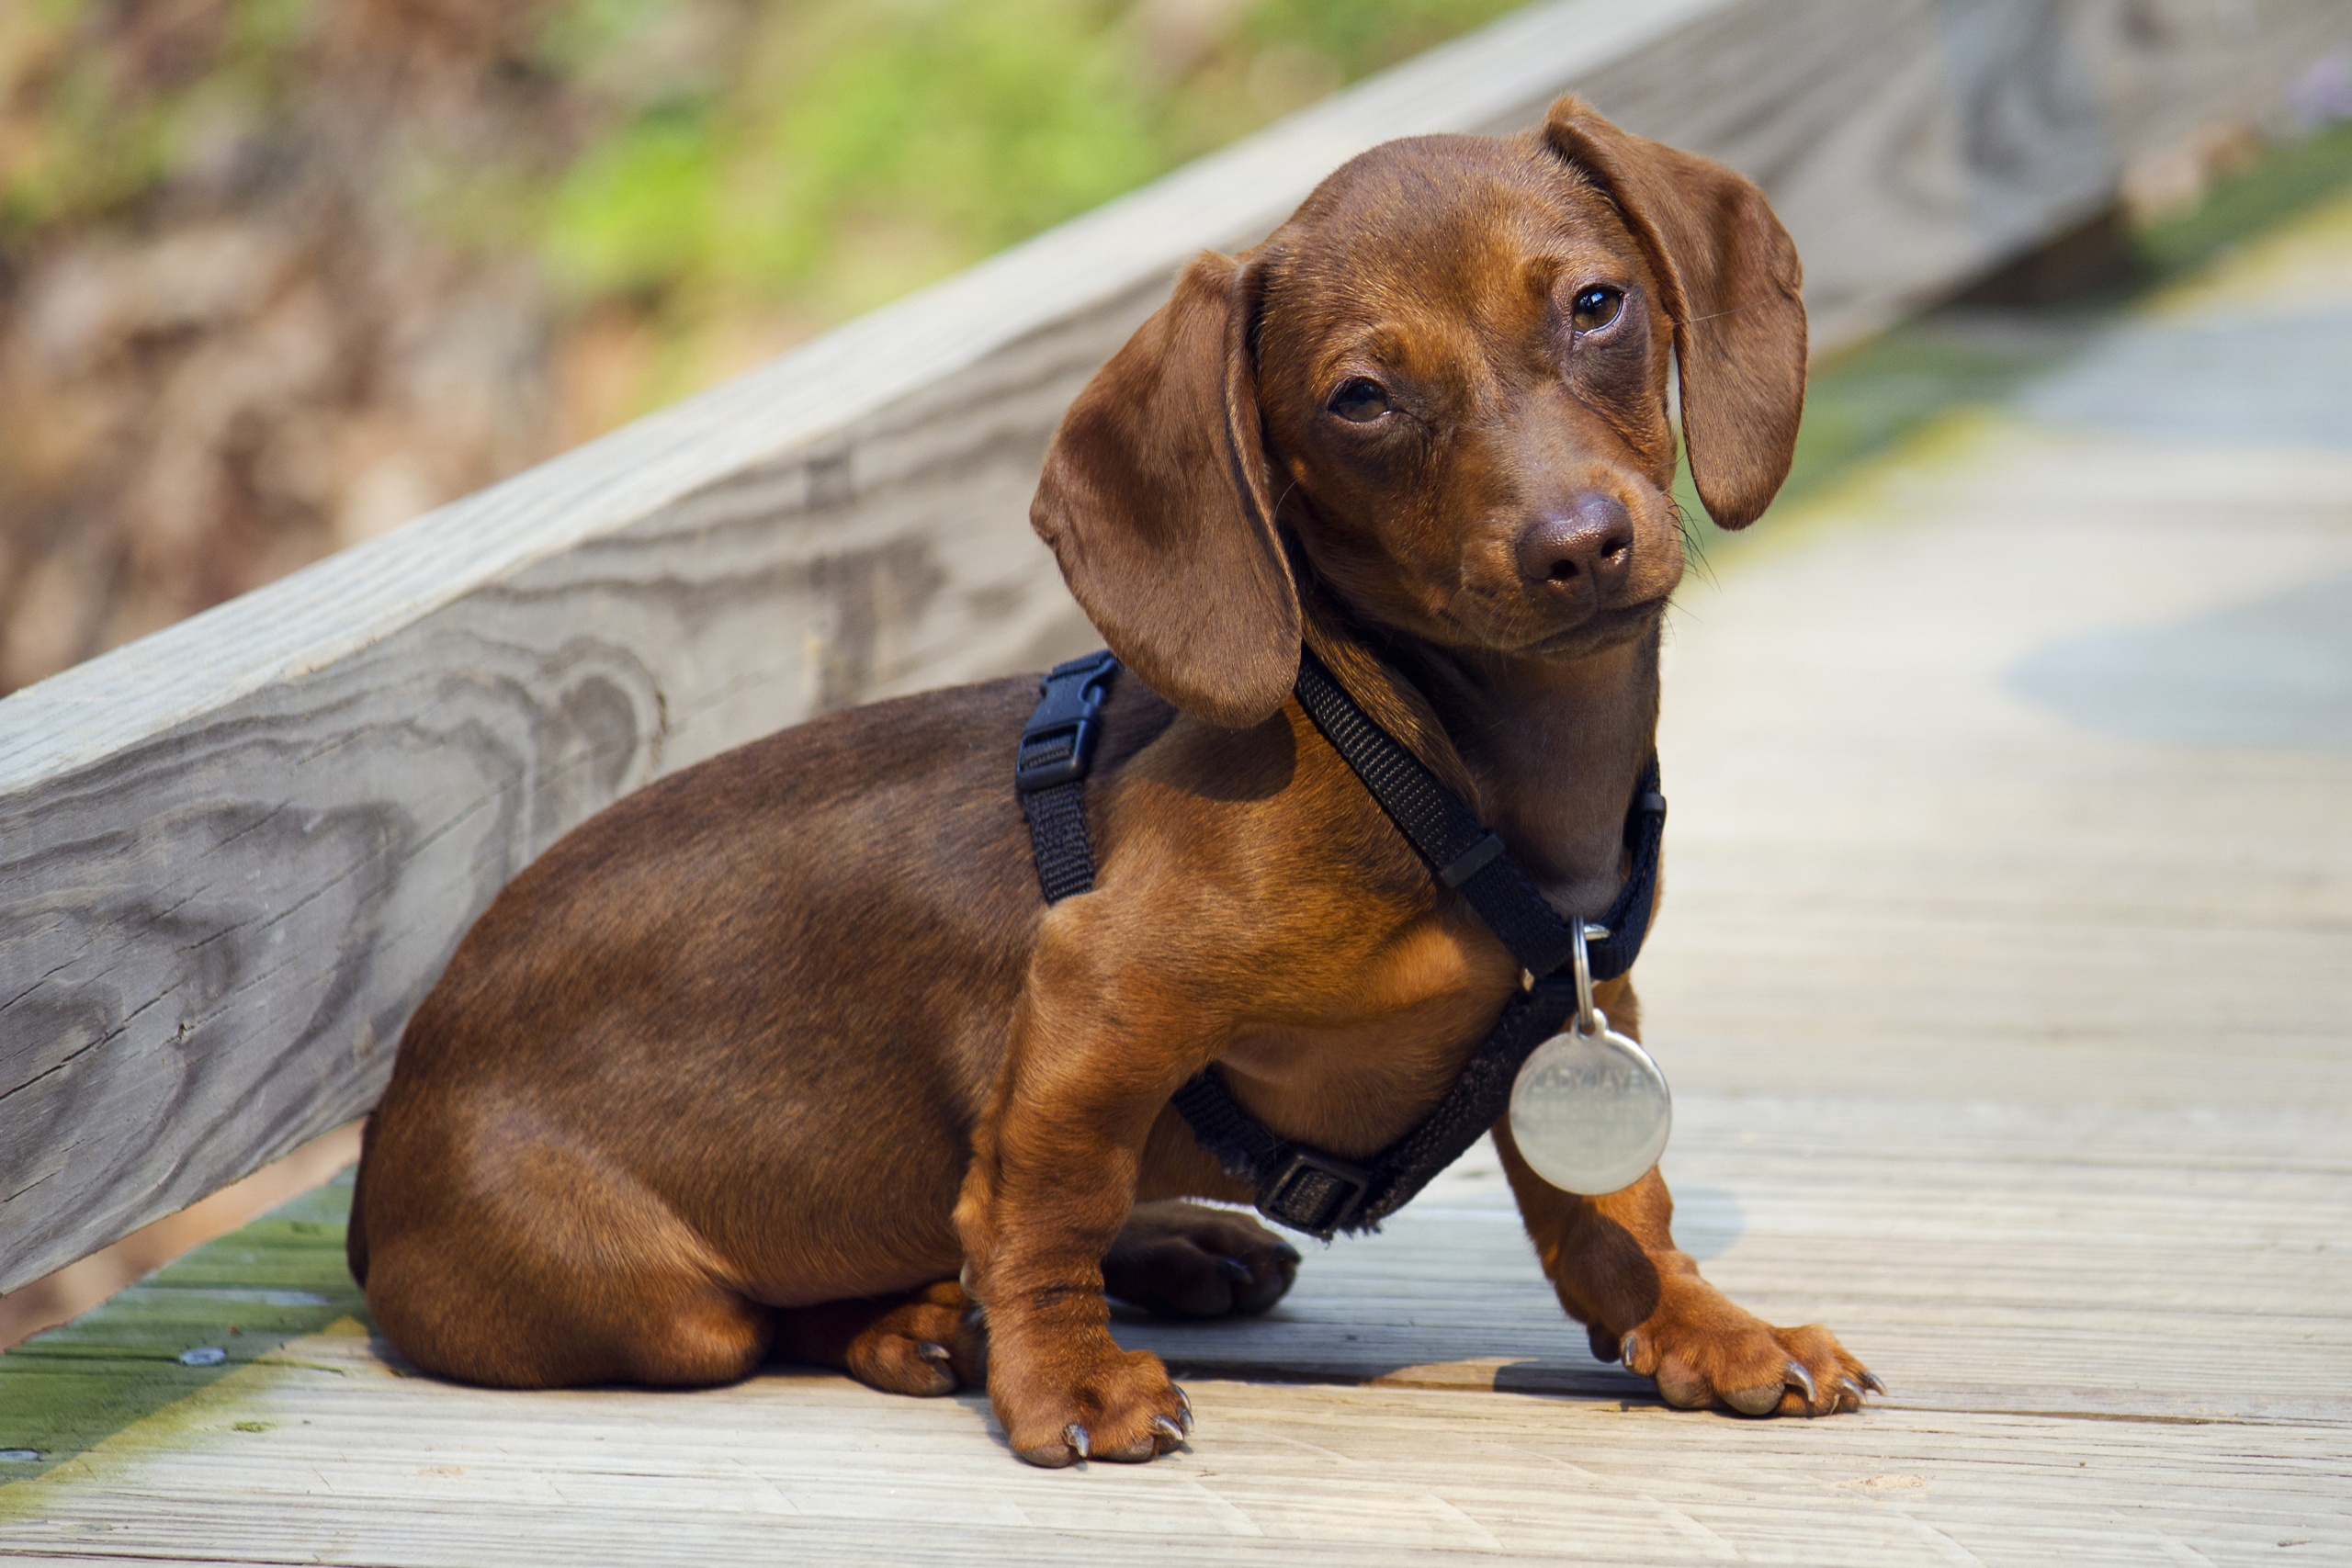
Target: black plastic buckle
pixel 1313 1192
pixel 1057 743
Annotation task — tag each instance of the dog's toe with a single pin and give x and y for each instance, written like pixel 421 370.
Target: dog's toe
pixel 1823 1377
pixel 1680 1386
pixel 1067 1448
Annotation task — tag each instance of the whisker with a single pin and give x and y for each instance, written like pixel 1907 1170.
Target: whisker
pixel 1694 545
pixel 1282 500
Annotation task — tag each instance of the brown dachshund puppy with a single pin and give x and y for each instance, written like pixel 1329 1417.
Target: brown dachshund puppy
pixel 784 1055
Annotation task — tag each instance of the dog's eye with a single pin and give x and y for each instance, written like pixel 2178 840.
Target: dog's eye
pixel 1360 402
pixel 1597 307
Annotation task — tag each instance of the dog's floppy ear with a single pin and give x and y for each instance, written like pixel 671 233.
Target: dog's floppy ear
pixel 1731 280
pixel 1154 499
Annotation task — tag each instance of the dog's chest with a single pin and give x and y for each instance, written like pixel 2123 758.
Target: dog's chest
pixel 1382 1047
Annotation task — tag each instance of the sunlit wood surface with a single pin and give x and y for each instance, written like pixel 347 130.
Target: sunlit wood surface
pixel 2005 979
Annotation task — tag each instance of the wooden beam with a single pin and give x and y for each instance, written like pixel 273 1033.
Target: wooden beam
pixel 234 854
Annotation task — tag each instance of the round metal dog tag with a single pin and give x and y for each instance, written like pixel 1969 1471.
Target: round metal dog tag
pixel 1591 1110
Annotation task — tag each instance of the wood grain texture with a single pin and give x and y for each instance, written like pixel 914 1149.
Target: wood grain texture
pixel 1323 1438
pixel 1912 146
pixel 234 854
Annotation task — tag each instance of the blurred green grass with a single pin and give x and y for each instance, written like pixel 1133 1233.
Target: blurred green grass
pixel 761 166
pixel 500 227
pixel 784 164
pixel 2281 181
pixel 731 176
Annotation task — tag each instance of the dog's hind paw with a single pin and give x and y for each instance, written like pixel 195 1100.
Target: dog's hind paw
pixel 927 1342
pixel 1189 1261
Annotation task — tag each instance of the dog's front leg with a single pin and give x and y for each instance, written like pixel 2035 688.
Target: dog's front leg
pixel 1096 1051
pixel 1614 1264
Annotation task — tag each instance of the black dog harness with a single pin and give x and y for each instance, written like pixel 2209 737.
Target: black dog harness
pixel 1298 1186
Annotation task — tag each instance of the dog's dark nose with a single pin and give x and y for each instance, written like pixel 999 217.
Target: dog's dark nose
pixel 1590 540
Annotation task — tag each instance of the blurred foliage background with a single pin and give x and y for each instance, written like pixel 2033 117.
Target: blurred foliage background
pixel 277 274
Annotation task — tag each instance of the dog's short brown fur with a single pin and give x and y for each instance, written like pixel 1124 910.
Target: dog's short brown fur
pixel 766 1058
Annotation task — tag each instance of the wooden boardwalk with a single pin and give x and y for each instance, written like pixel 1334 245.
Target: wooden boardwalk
pixel 2006 981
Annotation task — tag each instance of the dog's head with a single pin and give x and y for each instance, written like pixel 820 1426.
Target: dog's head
pixel 1446 376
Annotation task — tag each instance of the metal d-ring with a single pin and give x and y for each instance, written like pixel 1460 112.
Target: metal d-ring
pixel 1590 1020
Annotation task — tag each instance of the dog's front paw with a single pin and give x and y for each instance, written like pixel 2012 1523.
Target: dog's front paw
pixel 1107 1403
pixel 1189 1261
pixel 1704 1350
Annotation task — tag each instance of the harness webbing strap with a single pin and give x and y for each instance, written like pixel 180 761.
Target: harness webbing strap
pixel 1468 858
pixel 1049 773
pixel 1298 1186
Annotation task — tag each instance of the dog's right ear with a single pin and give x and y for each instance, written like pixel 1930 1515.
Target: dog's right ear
pixel 1154 499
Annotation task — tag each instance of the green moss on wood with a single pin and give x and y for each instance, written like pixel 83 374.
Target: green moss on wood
pixel 67 1390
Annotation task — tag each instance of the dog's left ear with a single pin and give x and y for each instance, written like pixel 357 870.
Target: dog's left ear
pixel 1154 499
pixel 1731 280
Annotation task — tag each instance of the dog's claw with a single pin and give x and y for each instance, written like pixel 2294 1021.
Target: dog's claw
pixel 1184 1413
pixel 1238 1269
pixel 1628 1348
pixel 1286 1252
pixel 1168 1429
pixel 1848 1387
pixel 1802 1381
pixel 1869 1380
pixel 1075 1436
pixel 932 1350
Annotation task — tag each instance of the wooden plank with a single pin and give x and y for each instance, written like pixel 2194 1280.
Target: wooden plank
pixel 2147 1289
pixel 320 1454
pixel 2048 1402
pixel 234 855
pixel 1998 1260
pixel 2165 1317
pixel 1910 147
pixel 2072 921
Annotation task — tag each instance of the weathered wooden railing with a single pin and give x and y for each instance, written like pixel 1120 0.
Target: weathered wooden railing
pixel 234 855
